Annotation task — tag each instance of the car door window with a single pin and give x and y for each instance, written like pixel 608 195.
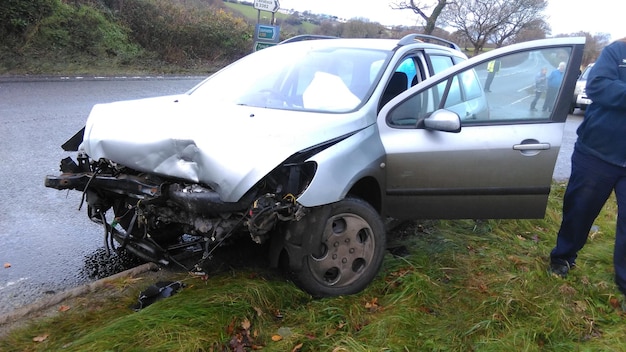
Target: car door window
pixel 513 89
pixel 440 62
pixel 409 72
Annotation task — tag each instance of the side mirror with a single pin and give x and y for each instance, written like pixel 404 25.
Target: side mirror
pixel 443 120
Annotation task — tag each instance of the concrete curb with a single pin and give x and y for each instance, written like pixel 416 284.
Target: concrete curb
pixel 75 292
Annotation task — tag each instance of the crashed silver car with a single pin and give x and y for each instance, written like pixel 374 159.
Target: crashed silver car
pixel 308 147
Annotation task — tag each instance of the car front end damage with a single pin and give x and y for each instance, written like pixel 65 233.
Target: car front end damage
pixel 152 212
pixel 164 196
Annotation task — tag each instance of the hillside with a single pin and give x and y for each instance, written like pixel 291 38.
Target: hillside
pixel 121 36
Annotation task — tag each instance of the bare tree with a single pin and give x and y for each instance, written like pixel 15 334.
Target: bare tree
pixel 518 15
pixel 593 44
pixel 421 10
pixel 492 20
pixel 537 29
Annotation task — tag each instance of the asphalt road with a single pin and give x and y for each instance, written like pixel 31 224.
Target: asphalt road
pixel 44 238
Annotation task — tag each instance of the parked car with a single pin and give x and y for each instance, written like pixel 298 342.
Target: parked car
pixel 309 146
pixel 580 99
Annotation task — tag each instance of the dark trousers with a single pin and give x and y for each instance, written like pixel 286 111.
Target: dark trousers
pixel 534 102
pixel 490 76
pixel 590 185
pixel 548 103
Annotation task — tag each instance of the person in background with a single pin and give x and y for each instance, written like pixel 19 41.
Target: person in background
pixel 540 87
pixel 598 165
pixel 554 83
pixel 492 68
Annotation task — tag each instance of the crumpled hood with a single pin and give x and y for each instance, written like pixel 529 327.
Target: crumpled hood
pixel 228 147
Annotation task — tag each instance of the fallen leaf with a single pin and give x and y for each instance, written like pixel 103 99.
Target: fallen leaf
pixel 580 306
pixel 276 338
pixel 372 305
pixel 297 347
pixel 40 338
pixel 258 311
pixel 231 327
pixel 64 308
pixel 614 302
pixel 565 289
pixel 7 265
pixel 245 324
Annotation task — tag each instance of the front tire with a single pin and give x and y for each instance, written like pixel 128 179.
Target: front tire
pixel 350 253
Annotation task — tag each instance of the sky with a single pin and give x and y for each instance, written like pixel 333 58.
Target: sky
pixel 564 16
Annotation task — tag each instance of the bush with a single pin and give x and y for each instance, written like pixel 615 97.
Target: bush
pixel 183 34
pixel 82 30
pixel 17 15
pixel 82 36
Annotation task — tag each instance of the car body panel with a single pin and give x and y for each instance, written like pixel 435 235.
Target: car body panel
pixel 175 136
pixel 342 165
pixel 495 167
pixel 580 99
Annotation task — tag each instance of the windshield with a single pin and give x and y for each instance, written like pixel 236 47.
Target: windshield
pixel 297 77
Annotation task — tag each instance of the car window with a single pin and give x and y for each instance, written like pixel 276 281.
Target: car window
pixel 512 91
pixel 408 68
pixel 298 76
pixel 440 62
pixel 409 72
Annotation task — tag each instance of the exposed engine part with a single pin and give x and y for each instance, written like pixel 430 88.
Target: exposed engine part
pixel 267 211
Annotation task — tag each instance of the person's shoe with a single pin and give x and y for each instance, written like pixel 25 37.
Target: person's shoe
pixel 559 269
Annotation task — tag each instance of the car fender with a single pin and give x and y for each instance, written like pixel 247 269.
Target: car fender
pixel 342 165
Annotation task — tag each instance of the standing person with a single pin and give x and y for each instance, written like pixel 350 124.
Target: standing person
pixel 598 165
pixel 492 68
pixel 540 86
pixel 554 83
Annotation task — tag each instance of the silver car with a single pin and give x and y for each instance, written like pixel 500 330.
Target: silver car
pixel 580 99
pixel 307 147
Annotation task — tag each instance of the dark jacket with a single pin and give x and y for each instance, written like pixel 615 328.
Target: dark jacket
pixel 603 130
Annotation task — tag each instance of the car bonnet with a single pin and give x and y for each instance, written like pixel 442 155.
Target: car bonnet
pixel 227 147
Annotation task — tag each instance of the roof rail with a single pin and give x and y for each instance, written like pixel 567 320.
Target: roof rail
pixel 303 37
pixel 411 38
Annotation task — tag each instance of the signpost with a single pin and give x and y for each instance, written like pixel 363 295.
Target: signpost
pixel 266 35
pixel 267 5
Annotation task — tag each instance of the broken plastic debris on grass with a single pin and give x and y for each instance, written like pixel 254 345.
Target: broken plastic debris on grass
pixel 158 291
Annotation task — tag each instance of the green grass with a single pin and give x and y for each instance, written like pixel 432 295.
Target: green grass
pixel 465 286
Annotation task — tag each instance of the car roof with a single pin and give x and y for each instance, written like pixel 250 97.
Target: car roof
pixel 317 41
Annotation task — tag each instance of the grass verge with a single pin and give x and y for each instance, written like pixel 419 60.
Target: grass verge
pixel 463 286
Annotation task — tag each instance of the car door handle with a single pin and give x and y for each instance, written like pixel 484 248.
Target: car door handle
pixel 532 146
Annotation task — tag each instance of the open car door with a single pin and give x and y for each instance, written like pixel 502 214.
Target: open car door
pixel 456 151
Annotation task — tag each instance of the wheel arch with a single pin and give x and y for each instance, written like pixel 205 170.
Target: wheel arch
pixel 369 190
